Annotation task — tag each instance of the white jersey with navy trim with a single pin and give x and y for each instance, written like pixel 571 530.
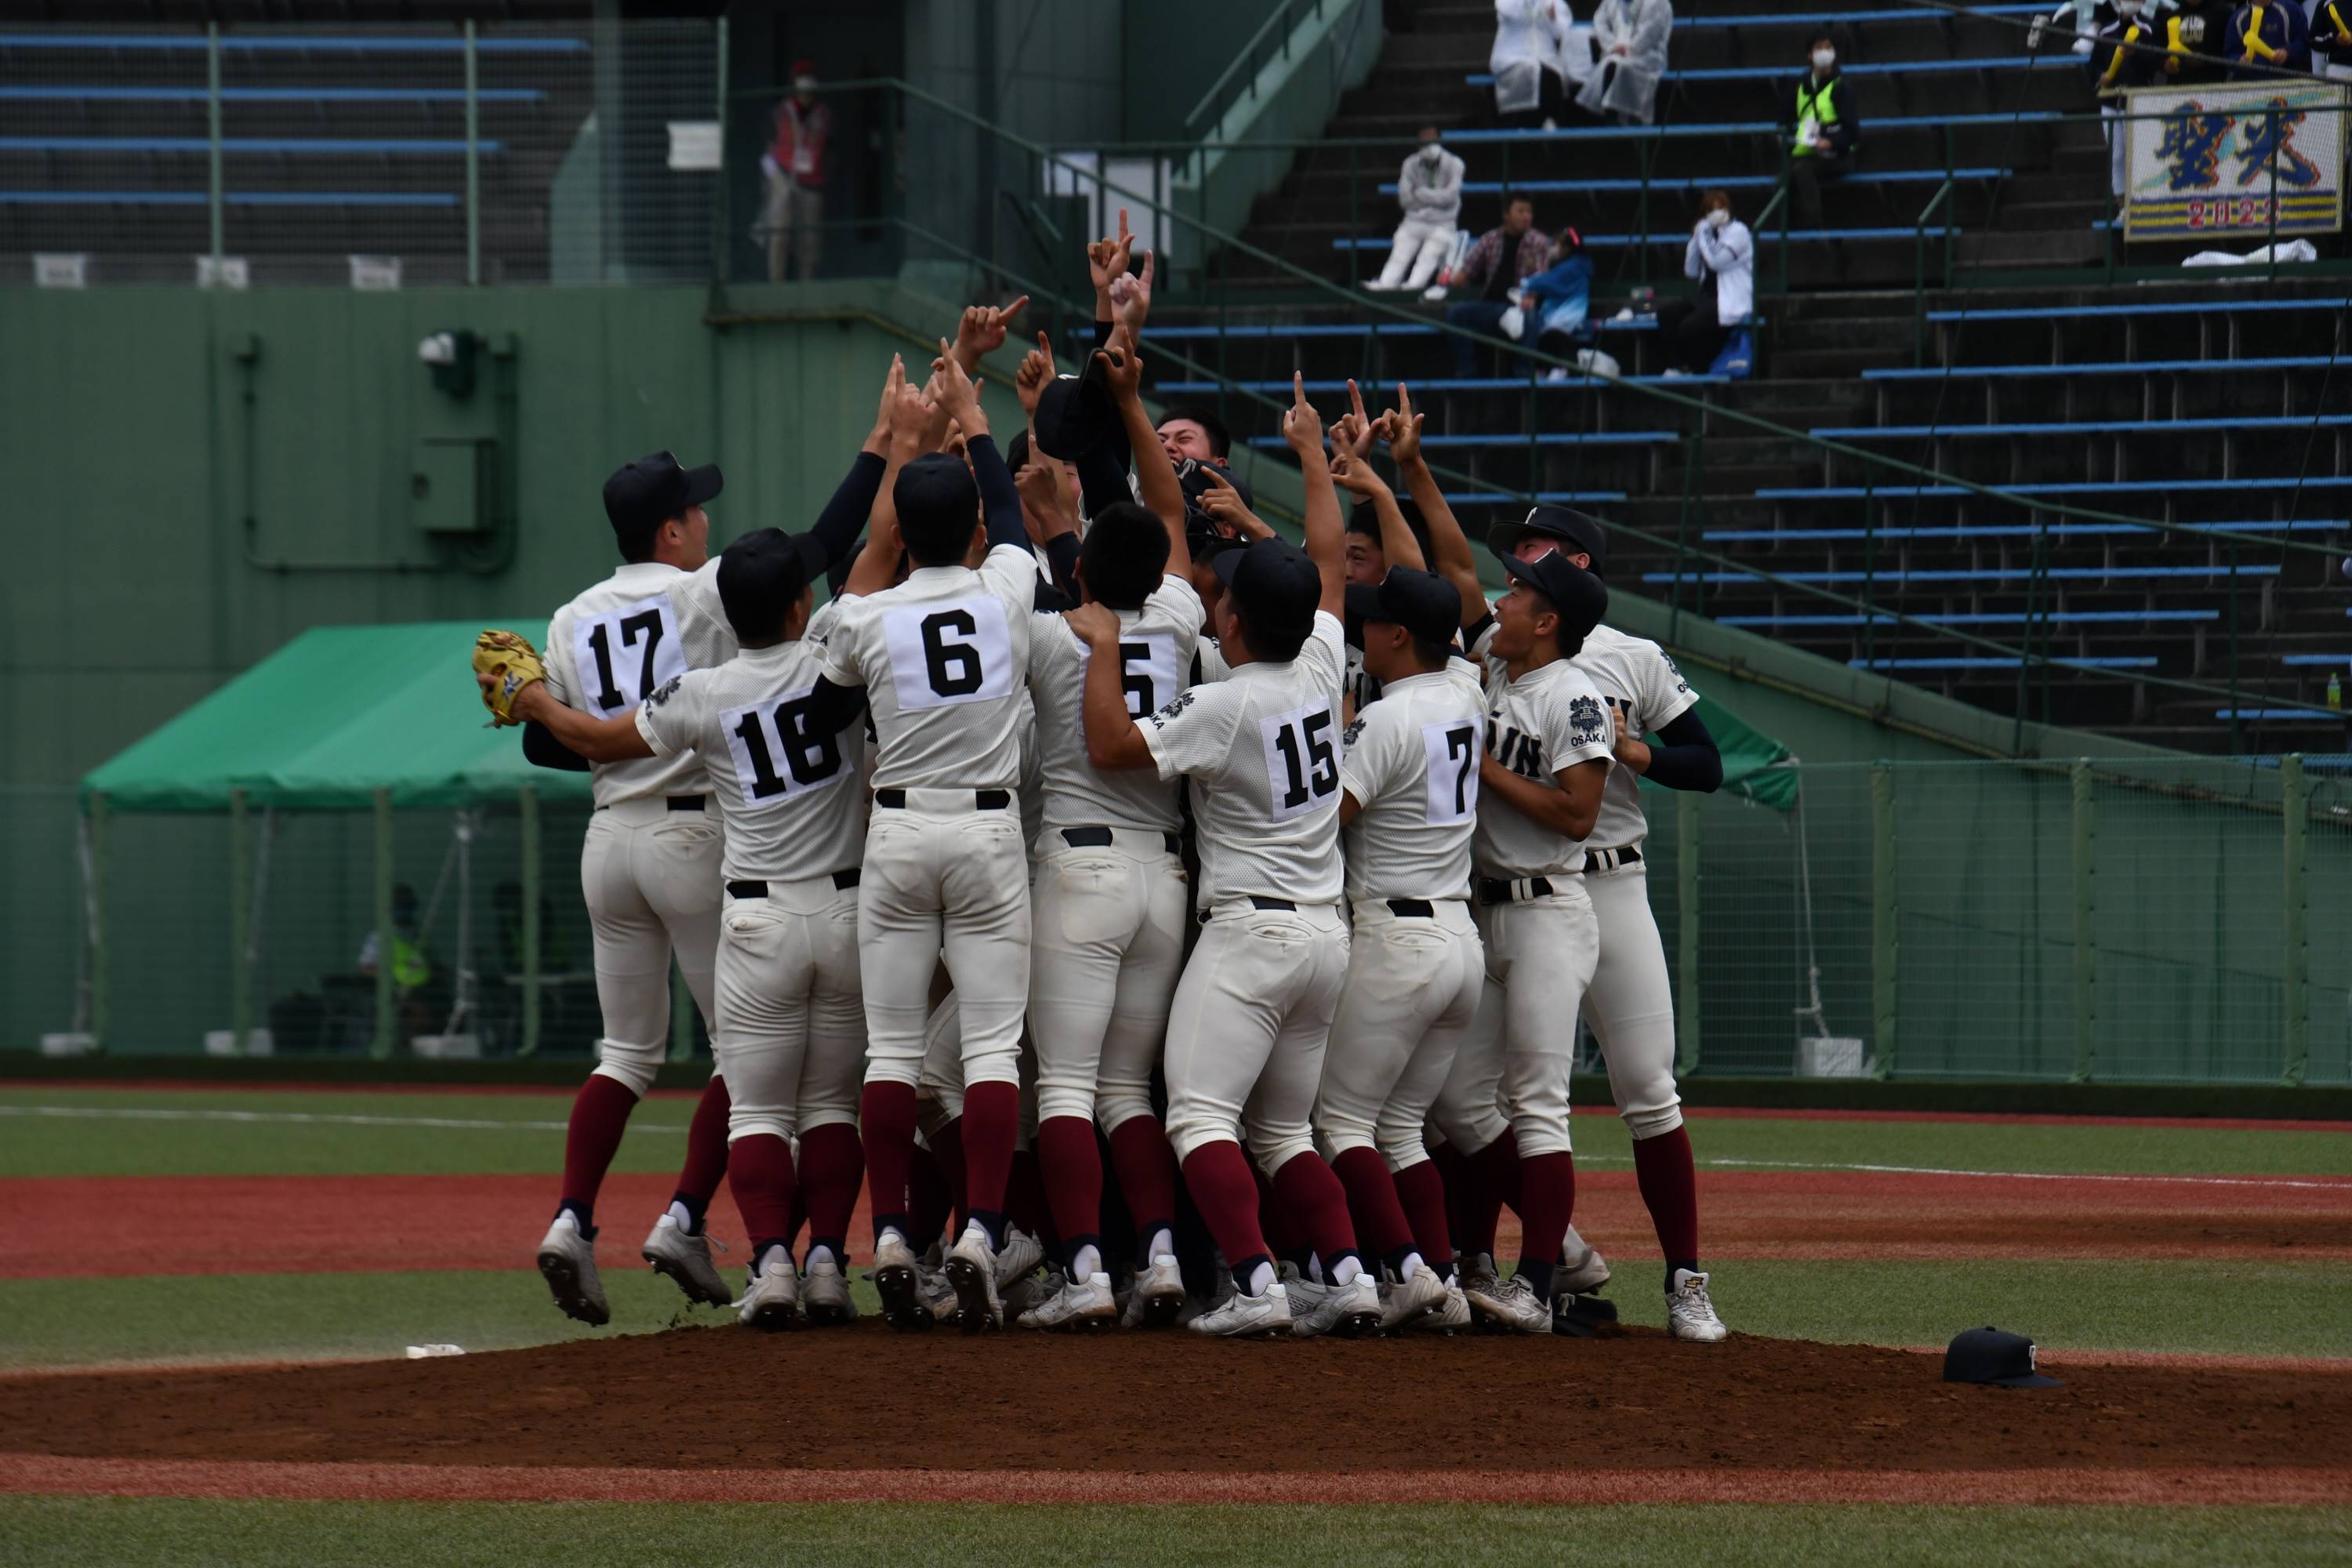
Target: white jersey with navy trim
pixel 1637 678
pixel 620 641
pixel 1548 720
pixel 1156 646
pixel 1413 766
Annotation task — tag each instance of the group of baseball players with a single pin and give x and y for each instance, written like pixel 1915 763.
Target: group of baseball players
pixel 1088 827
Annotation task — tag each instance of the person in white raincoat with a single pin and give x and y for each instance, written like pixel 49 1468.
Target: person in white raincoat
pixel 1525 61
pixel 1571 43
pixel 1632 37
pixel 1429 189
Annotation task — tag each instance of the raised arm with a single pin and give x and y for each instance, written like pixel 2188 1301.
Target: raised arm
pixel 1114 741
pixel 877 563
pixel 1000 502
pixel 1107 259
pixel 1155 476
pixel 1326 543
pixel 1455 560
pixel 853 500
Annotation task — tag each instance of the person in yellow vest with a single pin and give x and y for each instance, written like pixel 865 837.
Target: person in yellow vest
pixel 1826 128
pixel 2121 59
pixel 411 969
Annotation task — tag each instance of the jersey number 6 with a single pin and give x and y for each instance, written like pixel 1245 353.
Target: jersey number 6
pixel 938 654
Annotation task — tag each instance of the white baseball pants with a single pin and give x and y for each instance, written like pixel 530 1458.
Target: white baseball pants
pixel 1629 1004
pixel 792 1022
pixel 1248 1028
pixel 1412 991
pixel 1414 256
pixel 651 879
pixel 1513 1068
pixel 1108 943
pixel 943 878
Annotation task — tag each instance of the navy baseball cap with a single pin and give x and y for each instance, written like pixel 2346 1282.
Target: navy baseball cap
pixel 641 495
pixel 1575 532
pixel 936 485
pixel 1990 1355
pixel 762 573
pixel 1422 603
pixel 1076 415
pixel 1576 594
pixel 1275 584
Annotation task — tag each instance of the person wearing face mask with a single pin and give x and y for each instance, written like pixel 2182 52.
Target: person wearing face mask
pixel 2117 64
pixel 1429 189
pixel 1722 256
pixel 1630 36
pixel 1826 129
pixel 794 171
pixel 1525 64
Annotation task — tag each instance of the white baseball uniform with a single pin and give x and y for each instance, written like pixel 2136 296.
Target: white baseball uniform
pixel 1629 1004
pixel 649 867
pixel 1416 968
pixel 791 1034
pixel 1543 941
pixel 1253 1012
pixel 1109 903
pixel 941 657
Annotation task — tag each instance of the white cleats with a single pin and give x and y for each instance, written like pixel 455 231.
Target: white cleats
pixel 895 1280
pixel 1406 1303
pixel 972 1272
pixel 1512 1304
pixel 824 1292
pixel 1452 1317
pixel 1084 1303
pixel 1020 1255
pixel 1348 1311
pixel 771 1300
pixel 1582 1272
pixel 1690 1315
pixel 567 1261
pixel 686 1259
pixel 938 1297
pixel 1157 1296
pixel 1241 1315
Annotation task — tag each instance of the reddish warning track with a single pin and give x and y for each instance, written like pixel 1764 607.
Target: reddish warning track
pixel 105 1226
pixel 1642 1417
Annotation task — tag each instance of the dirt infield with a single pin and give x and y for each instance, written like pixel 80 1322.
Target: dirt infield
pixel 1504 1414
pixel 99 1226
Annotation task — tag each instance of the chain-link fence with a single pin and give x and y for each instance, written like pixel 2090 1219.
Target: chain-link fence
pixel 375 157
pixel 2165 921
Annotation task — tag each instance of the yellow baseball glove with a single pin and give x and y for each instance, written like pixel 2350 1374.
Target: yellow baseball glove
pixel 504 664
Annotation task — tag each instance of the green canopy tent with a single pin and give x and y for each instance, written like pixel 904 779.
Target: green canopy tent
pixel 342 719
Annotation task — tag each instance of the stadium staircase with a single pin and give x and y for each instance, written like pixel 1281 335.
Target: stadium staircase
pixel 2189 402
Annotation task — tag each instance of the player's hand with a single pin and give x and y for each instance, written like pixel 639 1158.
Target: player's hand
pixel 1130 297
pixel 892 384
pixel 1040 484
pixel 1122 371
pixel 1355 475
pixel 1223 505
pixel 1301 426
pixel 1095 623
pixel 983 330
pixel 1108 259
pixel 1036 370
pixel 911 412
pixel 1401 427
pixel 521 708
pixel 958 393
pixel 1630 750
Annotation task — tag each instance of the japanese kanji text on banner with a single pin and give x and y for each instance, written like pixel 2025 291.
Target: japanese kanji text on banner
pixel 2211 159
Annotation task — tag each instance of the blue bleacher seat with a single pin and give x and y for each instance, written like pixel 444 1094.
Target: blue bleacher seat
pixel 2338 659
pixel 2281 715
pixel 323 145
pixel 1849 19
pixel 233 198
pixel 2104 367
pixel 1976 619
pixel 1996 661
pixel 1971 574
pixel 48 94
pixel 1679 236
pixel 1995 530
pixel 1888 68
pixel 1545 438
pixel 2173 308
pixel 2083 426
pixel 1706 182
pixel 1513 498
pixel 195 43
pixel 2088 487
pixel 1432 384
pixel 1739 127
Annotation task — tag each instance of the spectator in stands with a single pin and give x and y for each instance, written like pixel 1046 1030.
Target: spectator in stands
pixel 1632 37
pixel 2331 38
pixel 2272 35
pixel 1495 264
pixel 793 167
pixel 1558 302
pixel 1827 129
pixel 2117 66
pixel 1572 56
pixel 1429 189
pixel 1528 88
pixel 2194 38
pixel 1722 256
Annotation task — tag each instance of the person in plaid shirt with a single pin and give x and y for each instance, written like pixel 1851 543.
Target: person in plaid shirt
pixel 1494 266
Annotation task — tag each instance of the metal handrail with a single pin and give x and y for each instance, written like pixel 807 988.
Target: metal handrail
pixel 1279 17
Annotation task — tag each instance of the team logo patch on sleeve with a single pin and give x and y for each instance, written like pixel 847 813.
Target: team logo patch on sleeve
pixel 665 691
pixel 1167 716
pixel 1586 724
pixel 1675 669
pixel 1348 736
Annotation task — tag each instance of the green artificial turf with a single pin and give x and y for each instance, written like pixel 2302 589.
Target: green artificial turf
pixel 199 1133
pixel 2243 1308
pixel 79 1531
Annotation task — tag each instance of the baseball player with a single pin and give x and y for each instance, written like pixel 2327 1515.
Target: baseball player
pixel 1109 900
pixel 1505 1103
pixel 940 657
pixel 649 865
pixel 1253 1013
pixel 1629 1003
pixel 1408 806
pixel 1379 536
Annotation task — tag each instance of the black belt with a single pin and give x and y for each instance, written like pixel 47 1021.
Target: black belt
pixel 1411 909
pixel 841 881
pixel 1495 891
pixel 1100 837
pixel 982 799
pixel 677 803
pixel 1610 859
pixel 1259 902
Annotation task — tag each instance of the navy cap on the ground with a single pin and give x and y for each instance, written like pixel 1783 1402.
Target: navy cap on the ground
pixel 761 574
pixel 641 494
pixel 1579 595
pixel 936 485
pixel 1992 1355
pixel 1577 533
pixel 1275 584
pixel 1422 603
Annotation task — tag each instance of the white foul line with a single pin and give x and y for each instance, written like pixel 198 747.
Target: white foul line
pixel 150 1113
pixel 2344 1185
